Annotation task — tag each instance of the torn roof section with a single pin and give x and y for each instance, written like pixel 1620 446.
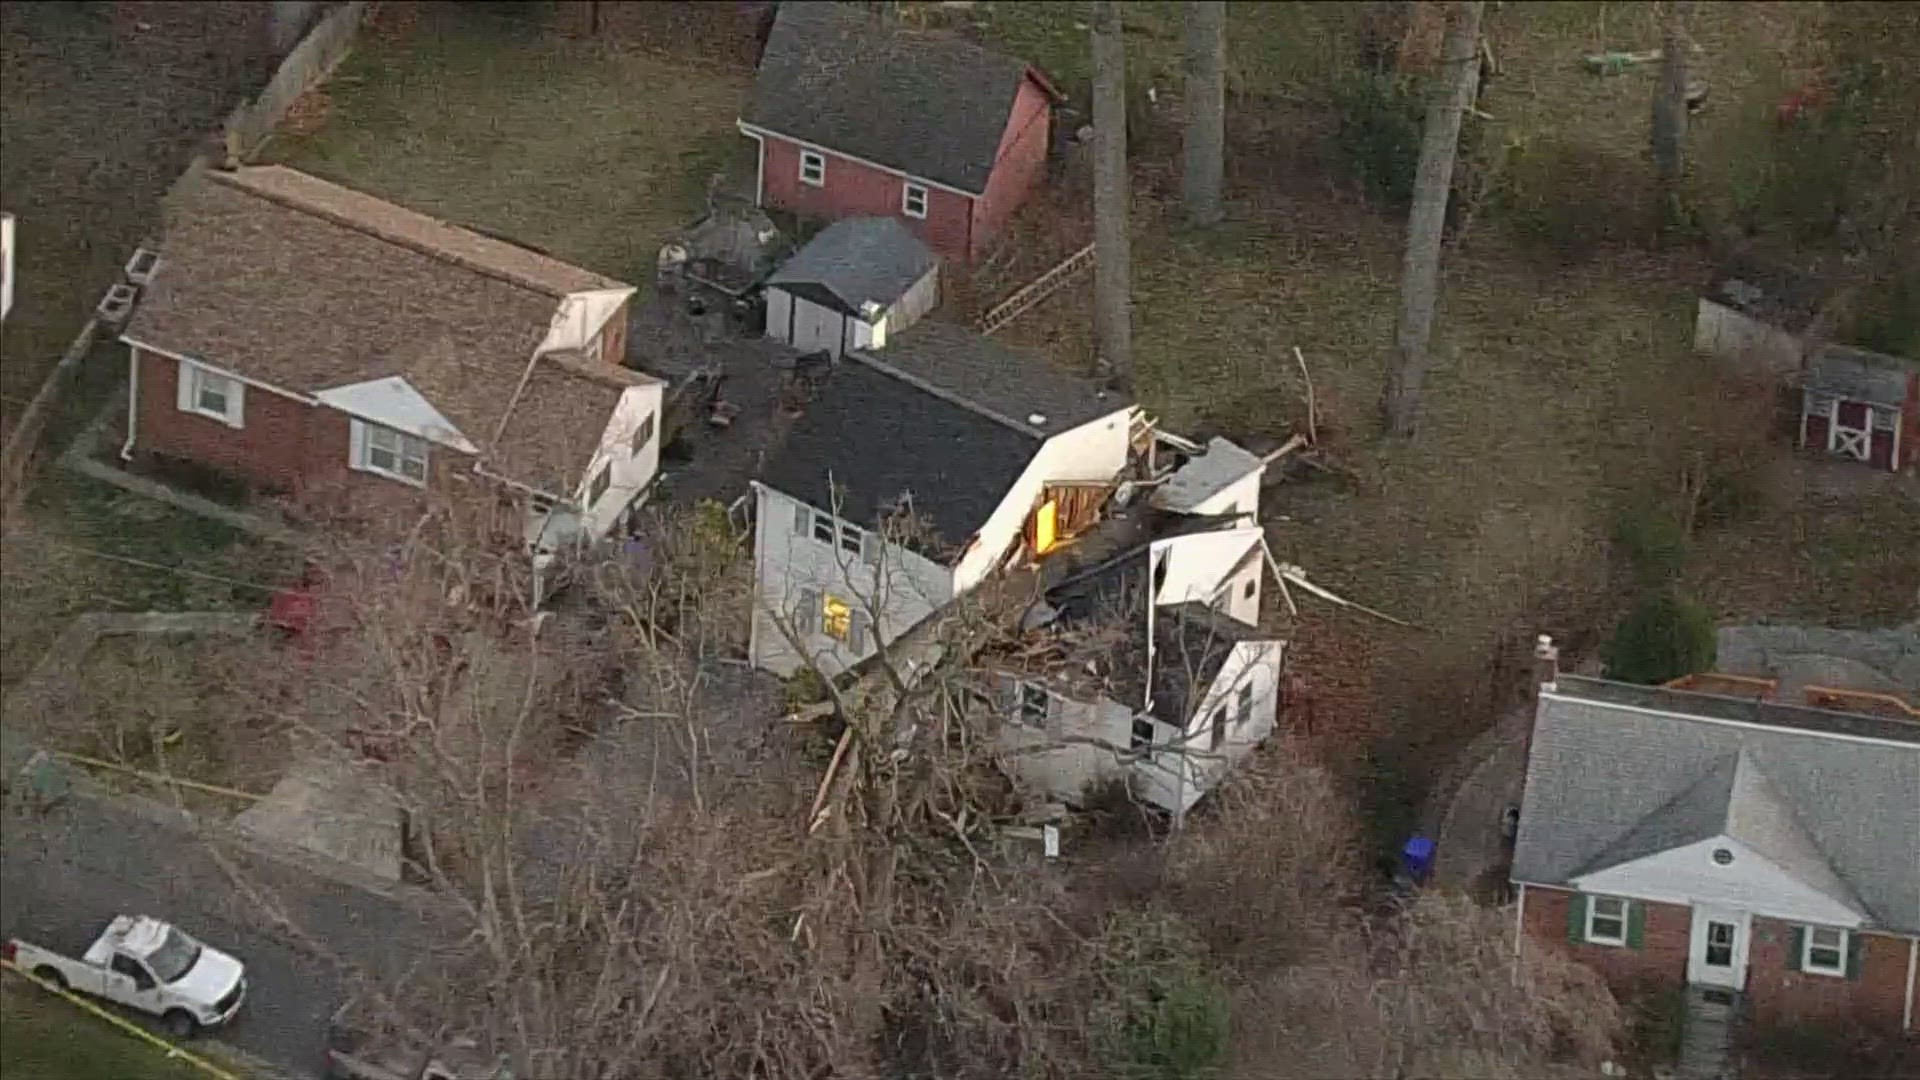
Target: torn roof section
pixel 855 262
pixel 1206 475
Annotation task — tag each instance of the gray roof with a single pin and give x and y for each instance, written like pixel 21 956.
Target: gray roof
pixel 1859 375
pixel 931 105
pixel 1773 293
pixel 1883 661
pixel 1011 385
pixel 880 438
pixel 1206 475
pixel 857 260
pixel 1618 772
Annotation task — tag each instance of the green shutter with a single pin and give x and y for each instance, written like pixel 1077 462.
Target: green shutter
pixel 1636 923
pixel 1796 948
pixel 1854 940
pixel 1577 919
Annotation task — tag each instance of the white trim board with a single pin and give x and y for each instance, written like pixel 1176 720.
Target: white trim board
pixel 756 131
pixel 217 369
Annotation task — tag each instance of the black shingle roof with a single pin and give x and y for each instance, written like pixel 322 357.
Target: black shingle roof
pixel 930 105
pixel 879 438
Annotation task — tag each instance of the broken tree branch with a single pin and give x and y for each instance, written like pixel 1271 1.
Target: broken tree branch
pixel 1313 412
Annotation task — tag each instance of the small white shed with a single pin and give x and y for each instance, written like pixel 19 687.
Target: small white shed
pixel 852 287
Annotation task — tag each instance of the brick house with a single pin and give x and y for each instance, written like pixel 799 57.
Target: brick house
pixel 1767 851
pixel 327 346
pixel 854 118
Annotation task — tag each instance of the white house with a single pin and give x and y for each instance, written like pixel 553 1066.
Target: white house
pixel 858 282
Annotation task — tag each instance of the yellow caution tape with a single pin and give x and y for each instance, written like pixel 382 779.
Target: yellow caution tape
pixel 233 793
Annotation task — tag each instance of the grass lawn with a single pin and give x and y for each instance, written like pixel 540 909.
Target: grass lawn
pixel 52 572
pixel 588 151
pixel 45 1038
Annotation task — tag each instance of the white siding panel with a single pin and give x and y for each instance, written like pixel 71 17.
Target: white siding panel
pixel 1751 882
pixel 779 313
pixel 632 473
pixel 1066 771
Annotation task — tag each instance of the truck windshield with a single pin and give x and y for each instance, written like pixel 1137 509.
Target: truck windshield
pixel 174 958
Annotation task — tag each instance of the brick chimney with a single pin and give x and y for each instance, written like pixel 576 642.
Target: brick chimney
pixel 1546 664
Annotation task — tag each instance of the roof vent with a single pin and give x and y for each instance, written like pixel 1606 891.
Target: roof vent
pixel 1037 419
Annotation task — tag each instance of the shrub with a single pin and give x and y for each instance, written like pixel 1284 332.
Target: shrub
pixel 1664 637
pixel 1379 133
pixel 1653 542
pixel 1161 1016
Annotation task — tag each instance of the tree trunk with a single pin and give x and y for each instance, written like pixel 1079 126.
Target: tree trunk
pixel 1112 284
pixel 1670 112
pixel 1206 93
pixel 1420 273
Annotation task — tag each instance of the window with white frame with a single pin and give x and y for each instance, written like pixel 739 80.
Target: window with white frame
pixel 848 537
pixel 1035 703
pixel 813 168
pixel 602 480
pixel 1606 920
pixel 913 200
pixel 1823 951
pixel 1142 736
pixel 211 394
pixel 393 454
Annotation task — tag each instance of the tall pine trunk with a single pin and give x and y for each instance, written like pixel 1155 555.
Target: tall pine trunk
pixel 1112 279
pixel 1670 113
pixel 1420 273
pixel 1206 100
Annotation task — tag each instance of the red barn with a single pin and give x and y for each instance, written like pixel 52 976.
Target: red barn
pixel 1861 405
pixel 859 119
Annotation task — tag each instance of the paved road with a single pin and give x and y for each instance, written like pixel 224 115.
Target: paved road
pixel 64 873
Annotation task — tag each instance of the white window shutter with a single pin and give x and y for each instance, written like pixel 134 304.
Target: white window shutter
pixel 356 444
pixel 186 388
pixel 236 403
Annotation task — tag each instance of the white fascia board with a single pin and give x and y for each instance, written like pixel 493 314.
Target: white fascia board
pixel 304 399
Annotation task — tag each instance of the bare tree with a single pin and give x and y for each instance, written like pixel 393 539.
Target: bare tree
pixel 1206 100
pixel 1669 135
pixel 1113 266
pixel 1420 272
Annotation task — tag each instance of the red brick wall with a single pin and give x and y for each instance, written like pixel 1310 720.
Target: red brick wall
pixel 270 450
pixel 1019 165
pixel 856 190
pixel 1777 994
pixel 284 446
pixel 1780 995
pixel 1661 958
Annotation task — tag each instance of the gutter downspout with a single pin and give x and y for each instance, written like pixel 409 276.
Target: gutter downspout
pixel 1913 962
pixel 1519 927
pixel 133 403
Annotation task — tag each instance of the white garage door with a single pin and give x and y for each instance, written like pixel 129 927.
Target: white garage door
pixel 816 327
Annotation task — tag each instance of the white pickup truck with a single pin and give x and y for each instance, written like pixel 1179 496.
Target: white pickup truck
pixel 149 965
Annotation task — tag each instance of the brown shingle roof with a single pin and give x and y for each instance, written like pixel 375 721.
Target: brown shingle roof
pixel 557 421
pixel 305 285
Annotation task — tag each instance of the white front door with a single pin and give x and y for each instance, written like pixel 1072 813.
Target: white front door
pixel 1717 955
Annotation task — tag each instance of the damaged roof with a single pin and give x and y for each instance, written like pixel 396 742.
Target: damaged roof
pixel 1617 772
pixel 925 418
pixel 307 286
pixel 856 261
pixel 930 104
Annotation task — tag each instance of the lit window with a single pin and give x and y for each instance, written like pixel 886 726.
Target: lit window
pixel 813 168
pixel 393 454
pixel 836 618
pixel 913 201
pixel 1606 920
pixel 1824 951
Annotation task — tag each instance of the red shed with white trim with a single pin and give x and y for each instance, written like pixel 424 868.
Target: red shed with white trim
pixel 1861 405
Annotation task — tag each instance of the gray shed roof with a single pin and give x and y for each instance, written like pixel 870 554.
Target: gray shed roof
pixel 1859 375
pixel 857 260
pixel 931 105
pixel 1618 772
pixel 1773 293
